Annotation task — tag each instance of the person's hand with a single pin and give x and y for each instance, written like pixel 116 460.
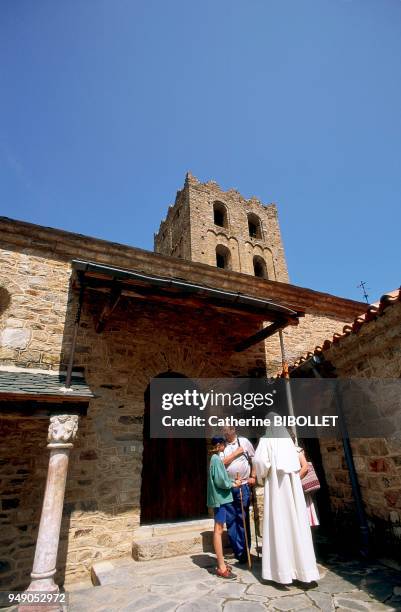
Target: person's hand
pixel 239 451
pixel 237 482
pixel 251 481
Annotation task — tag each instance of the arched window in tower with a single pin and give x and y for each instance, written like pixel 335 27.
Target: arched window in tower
pixel 254 227
pixel 223 257
pixel 259 267
pixel 220 214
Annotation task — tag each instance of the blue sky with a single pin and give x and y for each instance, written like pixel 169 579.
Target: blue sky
pixel 106 104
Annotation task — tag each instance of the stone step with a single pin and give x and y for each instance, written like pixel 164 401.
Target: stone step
pixel 161 529
pixel 121 572
pixel 173 544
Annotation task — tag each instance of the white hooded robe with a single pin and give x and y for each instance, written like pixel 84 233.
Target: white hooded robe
pixel 287 552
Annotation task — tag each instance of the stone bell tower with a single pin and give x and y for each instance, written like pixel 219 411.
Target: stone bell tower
pixel 222 228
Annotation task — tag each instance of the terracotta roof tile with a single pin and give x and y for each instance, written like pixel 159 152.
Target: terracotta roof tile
pixel 373 313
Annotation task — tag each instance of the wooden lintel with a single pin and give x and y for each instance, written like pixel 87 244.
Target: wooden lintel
pixel 108 308
pixel 189 302
pixel 264 333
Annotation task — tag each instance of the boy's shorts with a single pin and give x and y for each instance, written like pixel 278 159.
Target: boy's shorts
pixel 220 514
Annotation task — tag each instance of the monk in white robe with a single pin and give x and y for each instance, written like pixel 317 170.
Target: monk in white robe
pixel 287 552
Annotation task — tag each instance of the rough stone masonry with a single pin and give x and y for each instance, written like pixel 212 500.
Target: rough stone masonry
pixel 373 352
pixel 142 339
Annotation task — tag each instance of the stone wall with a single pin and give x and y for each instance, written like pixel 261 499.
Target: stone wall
pixel 311 329
pixel 192 217
pixel 37 310
pixel 373 352
pixel 102 505
pixel 174 236
pixel 34 327
pixel 23 468
pixel 60 246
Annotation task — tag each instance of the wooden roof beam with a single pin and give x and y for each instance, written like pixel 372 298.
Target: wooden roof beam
pixel 264 333
pixel 108 308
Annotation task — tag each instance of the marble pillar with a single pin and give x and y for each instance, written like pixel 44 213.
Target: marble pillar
pixel 62 431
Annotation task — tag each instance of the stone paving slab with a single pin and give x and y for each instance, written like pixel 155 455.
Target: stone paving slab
pixel 189 584
pixel 291 602
pixel 322 601
pixel 211 604
pixel 271 590
pixel 244 606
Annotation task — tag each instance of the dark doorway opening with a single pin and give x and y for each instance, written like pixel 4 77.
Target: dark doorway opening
pixel 174 474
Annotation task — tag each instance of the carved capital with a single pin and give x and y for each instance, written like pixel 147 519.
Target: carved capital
pixel 62 429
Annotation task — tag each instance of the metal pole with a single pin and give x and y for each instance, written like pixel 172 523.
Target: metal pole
pixel 74 337
pixel 245 525
pixel 356 489
pixel 287 382
pixel 349 459
pixel 256 522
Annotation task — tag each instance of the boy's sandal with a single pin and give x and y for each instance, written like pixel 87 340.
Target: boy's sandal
pixel 227 574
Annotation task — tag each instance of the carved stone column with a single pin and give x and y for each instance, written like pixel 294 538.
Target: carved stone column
pixel 62 431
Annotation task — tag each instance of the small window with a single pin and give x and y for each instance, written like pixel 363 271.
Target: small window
pixel 259 267
pixel 223 257
pixel 220 260
pixel 220 214
pixel 254 226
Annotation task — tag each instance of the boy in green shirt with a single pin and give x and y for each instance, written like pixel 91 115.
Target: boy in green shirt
pixel 219 494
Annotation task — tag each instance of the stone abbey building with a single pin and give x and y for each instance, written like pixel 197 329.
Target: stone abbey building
pixel 85 324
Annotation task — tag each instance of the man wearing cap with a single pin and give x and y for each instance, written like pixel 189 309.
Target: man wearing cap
pixel 237 459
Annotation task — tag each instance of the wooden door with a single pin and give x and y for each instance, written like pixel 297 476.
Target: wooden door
pixel 174 476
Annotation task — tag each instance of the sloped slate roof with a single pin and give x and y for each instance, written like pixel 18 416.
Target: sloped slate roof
pixel 20 382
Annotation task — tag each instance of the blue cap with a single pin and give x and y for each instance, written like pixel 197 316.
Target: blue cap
pixel 218 440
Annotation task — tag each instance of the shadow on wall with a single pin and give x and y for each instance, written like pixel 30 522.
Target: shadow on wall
pixel 23 463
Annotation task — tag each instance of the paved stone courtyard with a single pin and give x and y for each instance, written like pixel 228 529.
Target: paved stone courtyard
pixel 188 584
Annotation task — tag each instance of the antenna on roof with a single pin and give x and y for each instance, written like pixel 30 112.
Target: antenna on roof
pixel 362 286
